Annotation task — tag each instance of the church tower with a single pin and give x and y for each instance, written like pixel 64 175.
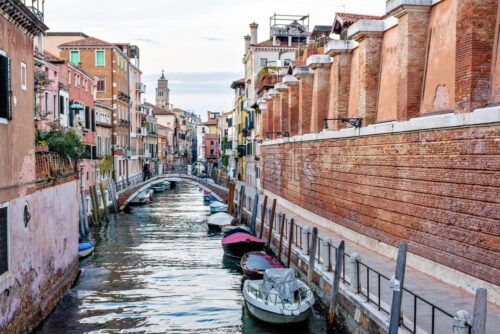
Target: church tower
pixel 163 92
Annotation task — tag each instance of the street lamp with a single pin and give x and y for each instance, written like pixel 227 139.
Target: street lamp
pixel 356 122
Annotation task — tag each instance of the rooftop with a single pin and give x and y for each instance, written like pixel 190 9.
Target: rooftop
pixel 346 19
pixel 88 41
pixel 158 110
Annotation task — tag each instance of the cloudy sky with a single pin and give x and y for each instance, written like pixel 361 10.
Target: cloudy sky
pixel 199 43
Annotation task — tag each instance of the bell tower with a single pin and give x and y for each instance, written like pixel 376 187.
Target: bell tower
pixel 163 92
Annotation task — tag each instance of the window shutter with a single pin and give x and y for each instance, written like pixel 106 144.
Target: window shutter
pixel 87 117
pixel 5 88
pixel 61 105
pixel 94 155
pixel 70 114
pixel 88 150
pixel 93 119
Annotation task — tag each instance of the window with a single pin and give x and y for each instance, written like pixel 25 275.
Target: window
pixel 263 61
pixel 211 142
pixel 211 151
pixel 74 57
pixel 75 80
pixel 101 84
pixel 23 76
pixel 55 106
pixel 46 101
pixel 4 240
pixel 69 77
pixel 99 58
pixel 79 82
pixel 85 84
pixel 5 87
pixel 287 62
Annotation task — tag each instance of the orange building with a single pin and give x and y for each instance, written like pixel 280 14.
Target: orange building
pixel 110 66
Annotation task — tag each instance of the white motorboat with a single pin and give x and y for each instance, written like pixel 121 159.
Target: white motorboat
pixel 217 221
pixel 280 298
pixel 160 187
pixel 143 198
pixel 85 249
pixel 218 207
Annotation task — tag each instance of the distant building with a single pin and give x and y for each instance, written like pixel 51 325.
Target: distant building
pixel 163 92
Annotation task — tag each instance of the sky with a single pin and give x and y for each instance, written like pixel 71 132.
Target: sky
pixel 199 43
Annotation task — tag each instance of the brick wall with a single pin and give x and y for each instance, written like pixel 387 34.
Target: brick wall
pixel 435 189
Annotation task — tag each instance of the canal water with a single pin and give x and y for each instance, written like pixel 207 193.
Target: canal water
pixel 157 270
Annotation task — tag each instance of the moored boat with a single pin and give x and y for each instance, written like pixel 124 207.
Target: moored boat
pixel 237 244
pixel 280 298
pixel 85 249
pixel 217 221
pixel 218 207
pixel 231 229
pixel 143 198
pixel 159 187
pixel 254 264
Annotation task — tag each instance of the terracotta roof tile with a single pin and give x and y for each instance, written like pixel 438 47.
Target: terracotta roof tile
pixel 348 18
pixel 51 58
pixel 269 44
pixel 90 41
pixel 159 110
pixel 298 63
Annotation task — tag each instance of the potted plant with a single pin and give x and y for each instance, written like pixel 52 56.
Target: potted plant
pixel 41 141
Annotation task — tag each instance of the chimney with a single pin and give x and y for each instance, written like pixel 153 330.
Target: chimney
pixel 247 42
pixel 253 31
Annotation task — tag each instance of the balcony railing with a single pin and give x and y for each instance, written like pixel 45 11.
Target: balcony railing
pixel 139 86
pixel 37 7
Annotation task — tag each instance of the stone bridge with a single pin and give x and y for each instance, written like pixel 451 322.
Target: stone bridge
pixel 127 195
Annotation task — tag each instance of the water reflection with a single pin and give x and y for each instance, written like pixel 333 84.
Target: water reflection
pixel 156 270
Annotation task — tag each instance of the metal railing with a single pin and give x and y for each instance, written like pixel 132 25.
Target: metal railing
pixel 370 283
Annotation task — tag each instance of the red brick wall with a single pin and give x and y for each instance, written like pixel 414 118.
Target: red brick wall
pixel 305 102
pixel 293 108
pixel 340 78
pixel 437 190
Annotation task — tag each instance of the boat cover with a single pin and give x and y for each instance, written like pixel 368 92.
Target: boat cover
pixel 283 281
pixel 259 261
pixel 220 219
pixel 85 245
pixel 240 237
pixel 218 205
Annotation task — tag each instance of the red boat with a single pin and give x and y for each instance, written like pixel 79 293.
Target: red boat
pixel 237 244
pixel 254 264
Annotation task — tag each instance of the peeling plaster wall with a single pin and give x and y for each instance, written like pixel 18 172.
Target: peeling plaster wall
pixel 40 253
pixel 439 73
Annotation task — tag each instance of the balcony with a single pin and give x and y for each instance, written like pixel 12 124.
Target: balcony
pixel 140 87
pixel 37 7
pixel 124 97
pixel 123 122
pixel 267 79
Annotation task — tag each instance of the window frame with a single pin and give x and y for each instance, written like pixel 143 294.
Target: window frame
pixel 4 120
pixel 104 84
pixel 70 57
pixel 69 77
pixel 23 76
pixel 260 61
pixel 4 277
pixel 103 58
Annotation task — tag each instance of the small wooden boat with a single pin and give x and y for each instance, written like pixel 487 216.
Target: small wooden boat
pixel 230 229
pixel 161 187
pixel 279 298
pixel 254 264
pixel 209 198
pixel 218 207
pixel 143 198
pixel 237 244
pixel 85 249
pixel 217 221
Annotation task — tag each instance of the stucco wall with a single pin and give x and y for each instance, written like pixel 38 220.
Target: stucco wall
pixel 40 253
pixel 388 95
pixel 439 73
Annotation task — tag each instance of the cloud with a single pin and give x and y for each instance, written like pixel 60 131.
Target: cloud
pixel 212 39
pixel 146 40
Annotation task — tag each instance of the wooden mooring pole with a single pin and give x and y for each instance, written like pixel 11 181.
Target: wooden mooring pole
pixel 230 201
pixel 312 253
pixel 290 241
pixel 271 223
pixel 263 217
pixel 94 190
pixel 335 286
pixel 254 213
pixel 397 289
pixel 94 209
pixel 282 229
pixel 479 314
pixel 104 203
pixel 241 202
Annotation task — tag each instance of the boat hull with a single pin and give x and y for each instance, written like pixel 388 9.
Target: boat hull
pixel 274 318
pixel 238 249
pixel 85 252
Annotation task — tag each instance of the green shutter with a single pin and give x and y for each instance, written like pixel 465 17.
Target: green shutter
pixel 87 117
pixel 99 58
pixel 61 105
pixel 75 57
pixel 5 88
